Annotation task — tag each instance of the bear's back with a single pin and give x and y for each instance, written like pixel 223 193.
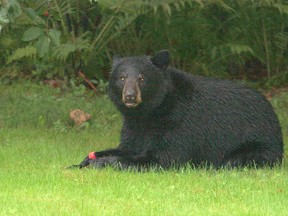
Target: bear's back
pixel 214 115
pixel 220 97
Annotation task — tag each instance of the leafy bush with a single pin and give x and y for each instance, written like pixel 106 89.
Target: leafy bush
pixel 238 39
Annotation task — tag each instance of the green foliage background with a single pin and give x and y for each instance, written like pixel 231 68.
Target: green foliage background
pixel 244 39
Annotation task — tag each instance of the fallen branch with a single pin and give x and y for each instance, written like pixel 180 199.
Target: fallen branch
pixel 81 74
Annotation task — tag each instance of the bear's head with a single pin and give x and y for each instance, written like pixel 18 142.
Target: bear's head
pixel 139 82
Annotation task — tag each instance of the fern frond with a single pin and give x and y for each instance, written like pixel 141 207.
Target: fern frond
pixel 282 8
pixel 231 49
pixel 239 48
pixel 25 52
pixel 62 52
pixel 66 8
pixel 81 43
pixel 281 40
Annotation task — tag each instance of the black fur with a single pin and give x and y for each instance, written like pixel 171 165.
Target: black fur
pixel 187 119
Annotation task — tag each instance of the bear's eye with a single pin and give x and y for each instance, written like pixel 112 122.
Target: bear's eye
pixel 122 78
pixel 141 79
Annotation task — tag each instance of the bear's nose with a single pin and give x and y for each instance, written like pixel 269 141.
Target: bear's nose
pixel 130 97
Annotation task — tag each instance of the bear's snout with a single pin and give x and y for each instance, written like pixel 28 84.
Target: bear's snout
pixel 131 95
pixel 130 98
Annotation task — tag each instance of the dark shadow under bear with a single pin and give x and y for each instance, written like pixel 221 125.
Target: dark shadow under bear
pixel 171 119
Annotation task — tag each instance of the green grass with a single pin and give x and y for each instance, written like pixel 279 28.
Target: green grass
pixel 35 152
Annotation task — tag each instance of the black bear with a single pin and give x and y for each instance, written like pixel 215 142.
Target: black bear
pixel 171 119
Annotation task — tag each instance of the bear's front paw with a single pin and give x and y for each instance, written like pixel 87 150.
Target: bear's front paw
pixel 104 161
pixel 86 162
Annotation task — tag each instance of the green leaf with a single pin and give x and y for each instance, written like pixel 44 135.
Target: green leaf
pixel 54 35
pixel 32 34
pixel 30 13
pixel 34 16
pixel 42 45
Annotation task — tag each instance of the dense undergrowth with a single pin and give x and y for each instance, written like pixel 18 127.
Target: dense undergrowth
pixel 225 38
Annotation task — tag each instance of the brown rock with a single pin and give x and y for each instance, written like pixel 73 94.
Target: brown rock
pixel 79 116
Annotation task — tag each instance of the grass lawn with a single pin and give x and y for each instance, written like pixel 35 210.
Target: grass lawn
pixel 38 140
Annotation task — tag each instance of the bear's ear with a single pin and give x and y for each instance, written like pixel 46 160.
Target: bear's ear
pixel 161 59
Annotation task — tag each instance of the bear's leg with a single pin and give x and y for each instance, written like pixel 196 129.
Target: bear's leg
pixel 118 158
pixel 133 163
pixel 124 161
pixel 253 156
pixel 92 156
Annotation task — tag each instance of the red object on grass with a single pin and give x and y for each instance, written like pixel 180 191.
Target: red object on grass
pixel 92 156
